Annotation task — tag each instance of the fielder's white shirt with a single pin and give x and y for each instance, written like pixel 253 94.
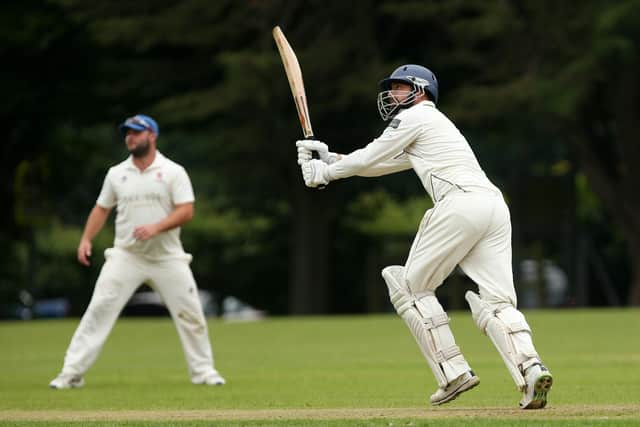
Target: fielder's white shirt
pixel 146 197
pixel 422 138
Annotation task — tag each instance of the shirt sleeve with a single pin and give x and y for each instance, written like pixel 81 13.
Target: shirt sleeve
pixel 107 198
pixel 181 189
pixel 392 141
pixel 397 163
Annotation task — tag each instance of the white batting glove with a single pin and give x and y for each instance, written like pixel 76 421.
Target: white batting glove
pixel 304 155
pixel 315 173
pixel 306 148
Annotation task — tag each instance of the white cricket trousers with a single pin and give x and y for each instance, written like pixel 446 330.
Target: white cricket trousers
pixel 468 228
pixel 122 273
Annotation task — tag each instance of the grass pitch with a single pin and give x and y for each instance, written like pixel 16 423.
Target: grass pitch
pixel 320 371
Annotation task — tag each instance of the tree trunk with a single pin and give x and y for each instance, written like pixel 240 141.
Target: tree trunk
pixel 308 274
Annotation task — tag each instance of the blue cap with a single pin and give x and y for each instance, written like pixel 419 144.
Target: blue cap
pixel 139 122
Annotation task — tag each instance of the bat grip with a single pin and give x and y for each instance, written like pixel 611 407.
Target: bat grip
pixel 315 155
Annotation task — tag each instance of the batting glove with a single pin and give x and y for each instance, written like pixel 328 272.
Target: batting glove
pixel 306 147
pixel 315 173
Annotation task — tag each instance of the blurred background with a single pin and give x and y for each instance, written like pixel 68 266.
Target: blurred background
pixel 546 92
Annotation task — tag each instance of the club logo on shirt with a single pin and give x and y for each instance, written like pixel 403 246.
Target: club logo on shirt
pixel 123 178
pixel 141 199
pixel 159 176
pixel 394 123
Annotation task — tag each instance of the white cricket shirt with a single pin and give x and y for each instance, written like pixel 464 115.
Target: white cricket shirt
pixel 146 197
pixel 422 138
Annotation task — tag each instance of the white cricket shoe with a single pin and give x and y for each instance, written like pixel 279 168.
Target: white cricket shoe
pixel 464 382
pixel 211 379
pixel 539 381
pixel 67 381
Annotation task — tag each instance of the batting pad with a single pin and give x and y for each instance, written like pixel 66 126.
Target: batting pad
pixel 509 332
pixel 429 325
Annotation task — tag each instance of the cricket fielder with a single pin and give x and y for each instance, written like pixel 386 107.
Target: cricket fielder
pixel 469 226
pixel 153 198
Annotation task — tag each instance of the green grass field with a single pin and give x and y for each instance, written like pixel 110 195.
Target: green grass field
pixel 320 371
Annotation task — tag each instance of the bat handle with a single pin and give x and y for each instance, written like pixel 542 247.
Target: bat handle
pixel 315 155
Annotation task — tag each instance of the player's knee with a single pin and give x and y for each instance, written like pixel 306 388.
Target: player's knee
pixel 502 299
pixel 395 273
pixel 194 322
pixel 481 310
pixel 102 300
pixel 398 293
pixel 504 312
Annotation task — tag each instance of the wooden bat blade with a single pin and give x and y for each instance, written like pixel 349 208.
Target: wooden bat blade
pixel 294 75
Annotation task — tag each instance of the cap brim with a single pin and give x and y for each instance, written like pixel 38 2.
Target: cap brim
pixel 385 84
pixel 123 128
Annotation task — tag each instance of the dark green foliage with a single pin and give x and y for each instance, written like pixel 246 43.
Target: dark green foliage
pixel 544 91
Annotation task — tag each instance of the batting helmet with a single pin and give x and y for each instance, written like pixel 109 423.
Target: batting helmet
pixel 421 80
pixel 414 75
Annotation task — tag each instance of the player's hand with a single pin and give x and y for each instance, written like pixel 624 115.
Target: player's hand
pixel 304 154
pixel 314 173
pixel 145 232
pixel 84 252
pixel 306 148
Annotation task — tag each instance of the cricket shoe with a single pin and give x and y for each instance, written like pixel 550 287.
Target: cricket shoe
pixel 212 379
pixel 539 382
pixel 63 381
pixel 464 382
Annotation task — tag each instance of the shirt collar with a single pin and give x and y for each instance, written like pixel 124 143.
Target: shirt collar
pixel 157 162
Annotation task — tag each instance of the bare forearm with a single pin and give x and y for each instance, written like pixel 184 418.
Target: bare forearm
pixel 95 222
pixel 180 215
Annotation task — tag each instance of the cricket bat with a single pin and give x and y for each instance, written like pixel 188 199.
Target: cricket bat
pixel 294 75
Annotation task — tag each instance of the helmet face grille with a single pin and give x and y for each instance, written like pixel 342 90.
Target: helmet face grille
pixel 389 105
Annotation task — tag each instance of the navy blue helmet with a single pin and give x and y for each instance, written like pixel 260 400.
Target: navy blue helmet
pixel 414 75
pixel 421 79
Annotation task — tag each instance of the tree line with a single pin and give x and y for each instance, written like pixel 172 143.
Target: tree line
pixel 546 93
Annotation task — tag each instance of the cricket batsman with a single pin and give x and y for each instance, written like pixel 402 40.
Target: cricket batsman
pixel 469 225
pixel 153 197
